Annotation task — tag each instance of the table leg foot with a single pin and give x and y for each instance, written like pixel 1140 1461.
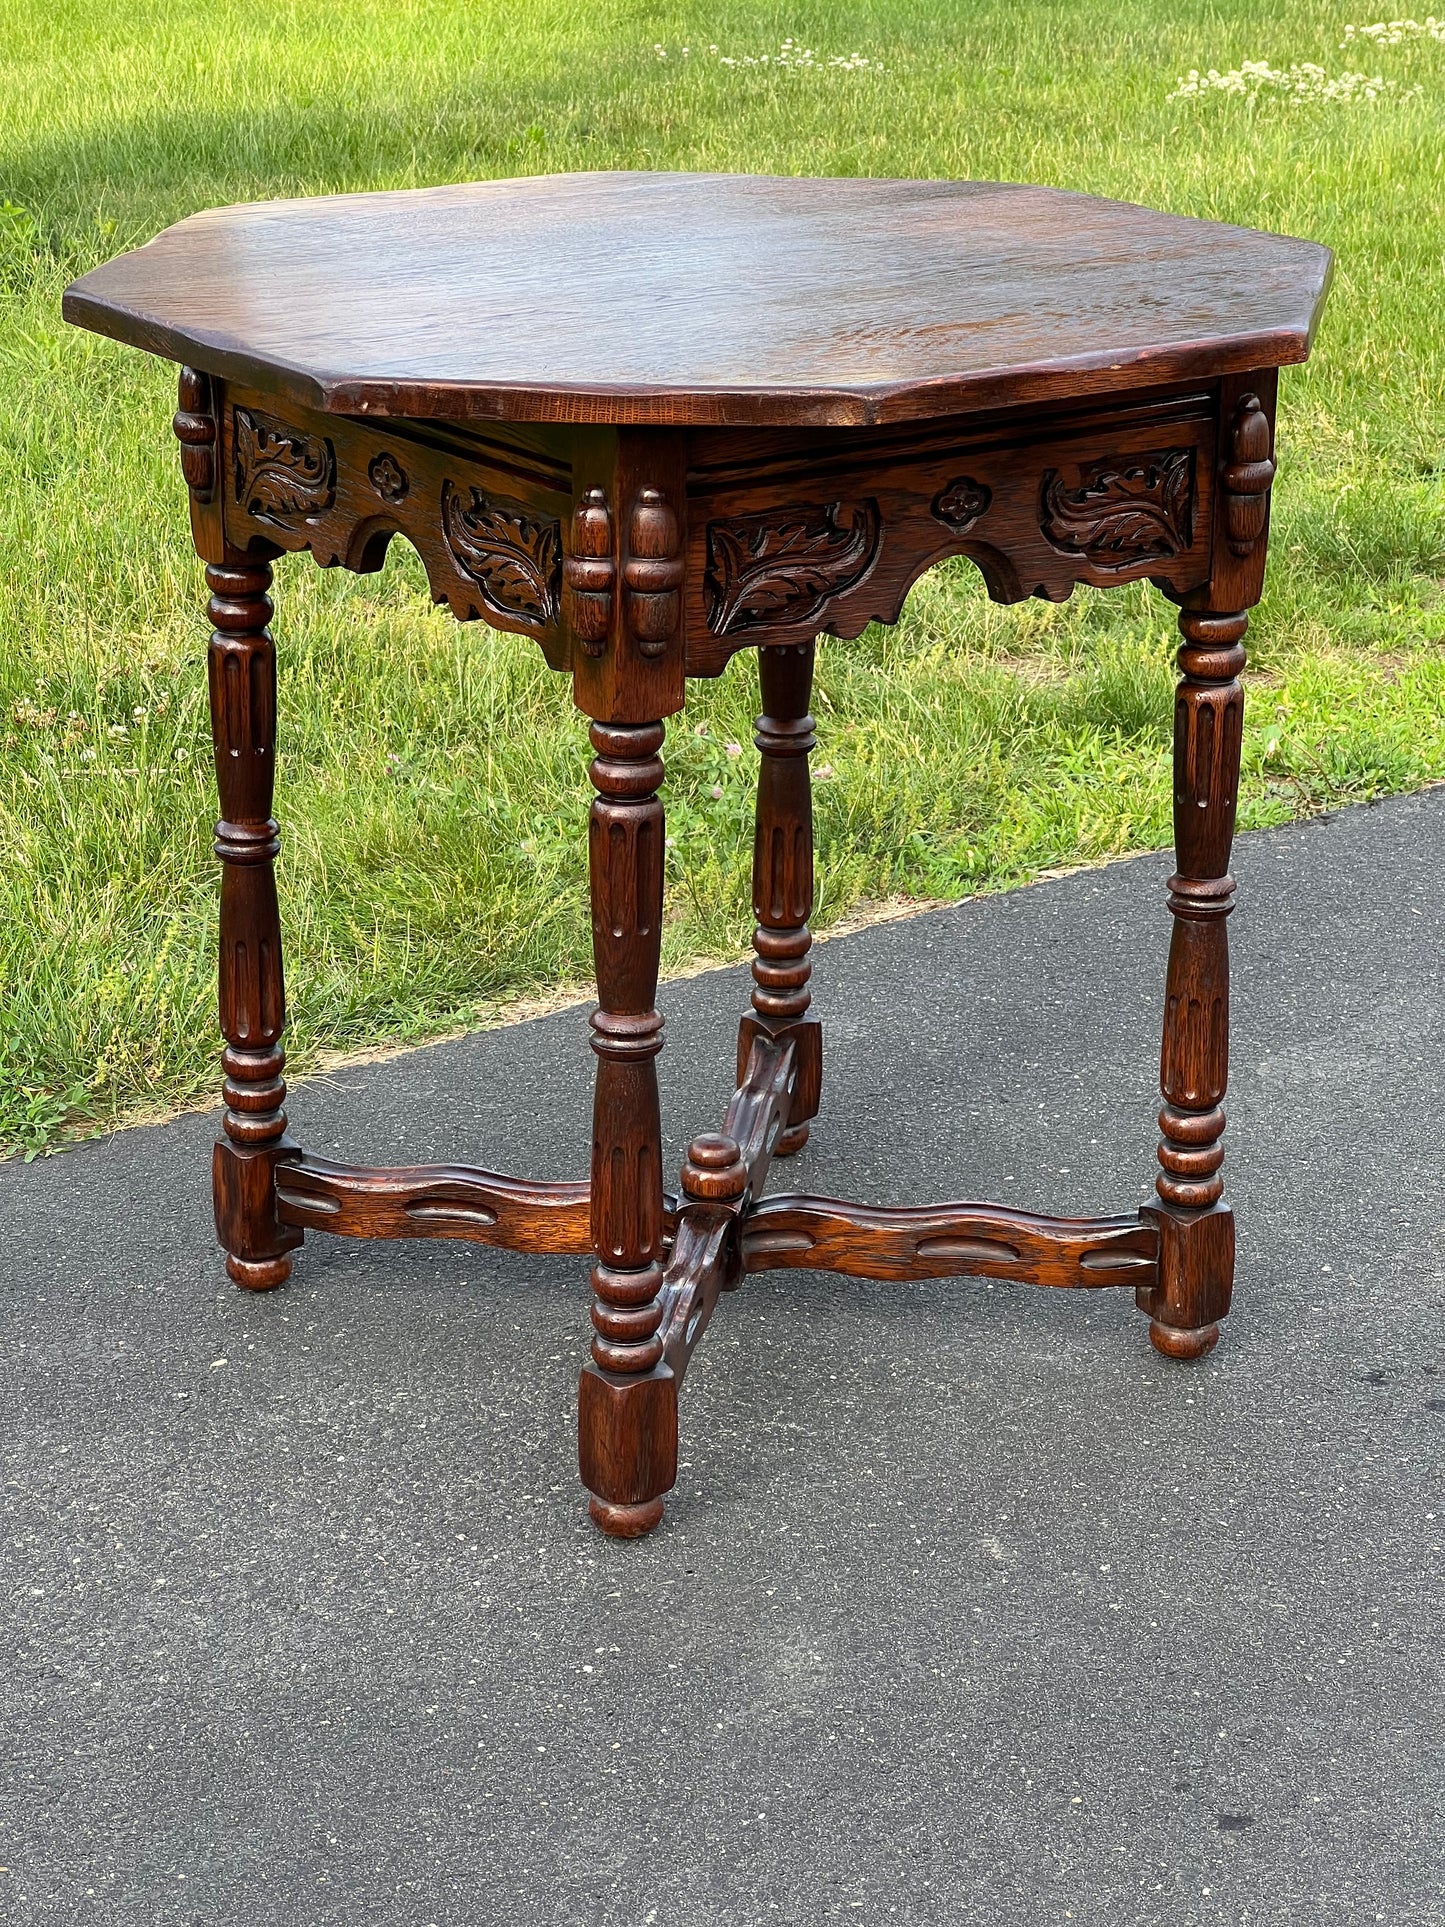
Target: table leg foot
pixel 1182 1345
pixel 791 1141
pixel 1196 1279
pixel 626 1521
pixel 258 1246
pixel 258 1274
pixel 627 1446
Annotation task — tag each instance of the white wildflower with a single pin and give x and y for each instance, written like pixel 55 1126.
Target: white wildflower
pixel 792 54
pixel 1394 33
pixel 1302 83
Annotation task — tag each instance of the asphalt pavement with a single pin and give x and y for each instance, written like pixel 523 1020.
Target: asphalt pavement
pixel 967 1607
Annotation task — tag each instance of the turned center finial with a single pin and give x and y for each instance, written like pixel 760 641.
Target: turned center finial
pixel 714 1168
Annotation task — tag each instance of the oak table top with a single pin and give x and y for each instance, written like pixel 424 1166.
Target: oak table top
pixel 706 298
pixel 651 421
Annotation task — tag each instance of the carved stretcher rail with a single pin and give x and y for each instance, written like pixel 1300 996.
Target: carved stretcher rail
pixel 435 1201
pixel 758 1111
pixel 909 1242
pixel 722 1175
pixel 727 1168
pixel 703 1265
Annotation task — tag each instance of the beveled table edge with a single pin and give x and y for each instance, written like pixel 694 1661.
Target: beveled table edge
pixel 649 405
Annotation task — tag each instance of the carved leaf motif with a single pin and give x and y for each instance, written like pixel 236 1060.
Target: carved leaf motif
pixel 772 568
pixel 962 503
pixel 515 560
pixel 282 474
pixel 1123 515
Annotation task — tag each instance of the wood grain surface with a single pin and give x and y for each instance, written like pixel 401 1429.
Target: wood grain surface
pixel 650 420
pixel 241 664
pixel 706 298
pixel 626 1395
pixel 783 887
pixel 907 1242
pixel 436 1201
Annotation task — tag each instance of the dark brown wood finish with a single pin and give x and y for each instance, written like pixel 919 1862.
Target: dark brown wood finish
pixel 703 1264
pixel 1196 1272
pixel 697 546
pixel 628 1396
pixel 252 990
pixel 906 1242
pixel 757 1117
pixel 707 298
pixel 436 1201
pixel 777 406
pixel 783 886
pixel 484 510
pixel 792 533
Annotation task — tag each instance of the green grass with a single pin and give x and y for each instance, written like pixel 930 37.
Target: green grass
pixel 432 788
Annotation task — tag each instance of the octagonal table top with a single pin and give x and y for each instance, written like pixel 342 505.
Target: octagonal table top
pixel 706 298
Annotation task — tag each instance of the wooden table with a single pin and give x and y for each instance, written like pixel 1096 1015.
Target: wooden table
pixel 651 420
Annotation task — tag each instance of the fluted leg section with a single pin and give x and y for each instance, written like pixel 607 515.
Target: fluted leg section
pixel 783 881
pixel 627 1405
pixel 242 669
pixel 1196 1257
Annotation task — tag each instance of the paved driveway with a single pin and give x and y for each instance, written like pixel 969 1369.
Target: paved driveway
pixel 968 1608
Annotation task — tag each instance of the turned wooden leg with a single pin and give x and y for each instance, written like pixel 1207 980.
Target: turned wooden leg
pixel 1196 1231
pixel 783 882
pixel 627 1398
pixel 242 667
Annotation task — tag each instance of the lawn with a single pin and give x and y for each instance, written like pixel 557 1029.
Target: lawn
pixel 432 787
